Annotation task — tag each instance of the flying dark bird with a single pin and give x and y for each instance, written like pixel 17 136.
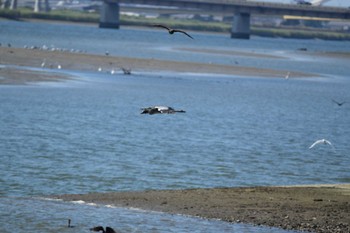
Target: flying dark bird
pixel 172 31
pixel 160 110
pixel 339 103
pixel 100 228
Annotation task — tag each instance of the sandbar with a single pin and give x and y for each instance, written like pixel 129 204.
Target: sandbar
pixel 314 208
pixel 24 57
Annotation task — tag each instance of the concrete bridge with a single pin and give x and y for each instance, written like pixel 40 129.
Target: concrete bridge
pixel 241 9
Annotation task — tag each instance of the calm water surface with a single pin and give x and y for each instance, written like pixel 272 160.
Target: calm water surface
pixel 87 135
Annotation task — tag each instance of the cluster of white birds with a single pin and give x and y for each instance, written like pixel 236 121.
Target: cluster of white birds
pixel 53 48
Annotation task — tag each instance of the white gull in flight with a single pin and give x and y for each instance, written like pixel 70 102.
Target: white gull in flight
pixel 321 141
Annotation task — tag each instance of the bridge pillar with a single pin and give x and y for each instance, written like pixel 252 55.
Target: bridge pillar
pixel 241 26
pixel 109 15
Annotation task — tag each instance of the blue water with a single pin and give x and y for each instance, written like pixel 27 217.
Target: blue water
pixel 87 135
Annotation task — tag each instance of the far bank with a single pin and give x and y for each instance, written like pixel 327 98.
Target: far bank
pixel 188 24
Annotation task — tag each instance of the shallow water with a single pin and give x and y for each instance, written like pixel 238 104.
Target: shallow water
pixel 52 216
pixel 87 135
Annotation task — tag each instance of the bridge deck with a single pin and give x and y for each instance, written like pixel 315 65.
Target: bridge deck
pixel 250 7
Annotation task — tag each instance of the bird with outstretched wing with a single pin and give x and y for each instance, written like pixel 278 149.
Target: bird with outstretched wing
pixel 338 103
pixel 171 30
pixel 321 141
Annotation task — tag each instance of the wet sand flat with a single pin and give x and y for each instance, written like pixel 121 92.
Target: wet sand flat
pixel 91 63
pixel 319 208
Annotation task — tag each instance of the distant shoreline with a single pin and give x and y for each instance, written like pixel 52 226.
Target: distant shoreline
pixel 83 17
pixel 11 57
pixel 315 208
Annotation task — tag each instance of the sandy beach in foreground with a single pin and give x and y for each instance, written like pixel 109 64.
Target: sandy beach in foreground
pixel 318 208
pixel 91 62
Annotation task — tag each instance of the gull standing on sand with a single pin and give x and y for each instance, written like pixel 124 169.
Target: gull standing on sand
pixel 287 76
pixel 321 141
pixel 172 31
pixel 43 63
